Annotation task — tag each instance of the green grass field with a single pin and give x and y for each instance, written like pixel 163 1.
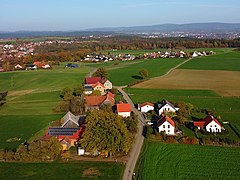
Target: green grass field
pixel 61 170
pixel 130 72
pixel 229 61
pixel 32 97
pixel 178 161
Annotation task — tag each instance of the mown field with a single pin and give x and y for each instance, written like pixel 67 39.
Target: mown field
pixel 61 170
pixel 178 161
pixel 32 97
pixel 222 82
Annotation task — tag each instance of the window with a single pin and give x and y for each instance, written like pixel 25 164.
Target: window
pixel 168 130
pixel 168 126
pixel 163 126
pixel 210 125
pixel 215 125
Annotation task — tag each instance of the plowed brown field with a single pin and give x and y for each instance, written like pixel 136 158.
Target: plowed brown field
pixel 225 83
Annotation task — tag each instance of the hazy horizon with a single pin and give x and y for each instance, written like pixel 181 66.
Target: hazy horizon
pixel 76 15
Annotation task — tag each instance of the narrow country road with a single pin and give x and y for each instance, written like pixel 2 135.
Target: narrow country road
pixel 136 148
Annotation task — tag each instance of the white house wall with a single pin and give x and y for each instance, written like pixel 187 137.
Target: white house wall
pixel 167 127
pixel 124 114
pixel 108 85
pixel 147 108
pixel 213 127
pixel 166 108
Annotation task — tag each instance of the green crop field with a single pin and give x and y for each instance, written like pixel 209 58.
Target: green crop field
pixel 32 97
pixel 61 170
pixel 130 72
pixel 229 61
pixel 178 161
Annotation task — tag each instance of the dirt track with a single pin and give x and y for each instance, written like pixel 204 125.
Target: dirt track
pixel 225 83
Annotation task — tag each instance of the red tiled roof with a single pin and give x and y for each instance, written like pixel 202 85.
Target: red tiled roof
pixel 97 84
pixel 164 118
pixel 98 100
pixel 146 103
pixel 199 123
pixel 94 100
pixel 92 80
pixel 110 94
pixel 123 107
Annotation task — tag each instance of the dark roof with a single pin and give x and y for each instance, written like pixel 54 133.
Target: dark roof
pixel 164 102
pixel 61 131
pixel 164 118
pixel 71 65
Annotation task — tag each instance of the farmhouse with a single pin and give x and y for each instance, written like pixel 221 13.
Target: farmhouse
pixel 209 123
pixel 99 87
pixel 97 83
pixel 69 132
pixel 95 102
pixel 166 106
pixel 145 107
pixel 166 124
pixel 124 109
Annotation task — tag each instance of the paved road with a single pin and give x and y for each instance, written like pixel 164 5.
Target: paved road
pixel 135 151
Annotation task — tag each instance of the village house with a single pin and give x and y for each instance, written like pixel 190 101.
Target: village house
pixel 69 132
pixel 166 106
pixel 18 66
pixel 145 107
pixel 99 87
pixel 95 102
pixel 124 109
pixel 97 83
pixel 209 123
pixel 166 124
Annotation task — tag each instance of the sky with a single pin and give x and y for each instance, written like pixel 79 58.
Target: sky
pixel 66 15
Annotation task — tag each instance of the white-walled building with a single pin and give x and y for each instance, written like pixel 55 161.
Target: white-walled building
pixel 166 124
pixel 165 106
pixel 209 123
pixel 145 107
pixel 124 109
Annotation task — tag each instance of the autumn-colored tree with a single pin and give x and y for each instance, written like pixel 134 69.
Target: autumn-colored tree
pixel 105 131
pixel 143 73
pixel 101 72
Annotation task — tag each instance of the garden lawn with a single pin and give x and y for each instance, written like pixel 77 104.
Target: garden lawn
pixel 229 61
pixel 130 72
pixel 63 170
pixel 179 161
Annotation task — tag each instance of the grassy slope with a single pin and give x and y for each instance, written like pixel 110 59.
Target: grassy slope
pixel 27 112
pixel 130 73
pixel 68 170
pixel 177 161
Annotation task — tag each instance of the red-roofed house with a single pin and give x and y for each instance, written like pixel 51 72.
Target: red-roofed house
pixel 210 123
pixel 166 124
pixel 145 107
pixel 124 109
pixel 96 83
pixel 99 87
